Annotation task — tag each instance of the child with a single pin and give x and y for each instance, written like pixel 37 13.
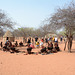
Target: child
pixel 41 43
pixel 5 48
pixel 32 45
pixel 21 44
pixel 13 49
pixel 56 46
pixel 37 44
pixel 50 46
pixel 29 49
pixel 43 50
pixel 16 44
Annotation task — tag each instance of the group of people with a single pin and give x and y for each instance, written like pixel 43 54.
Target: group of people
pixel 47 45
pixel 8 47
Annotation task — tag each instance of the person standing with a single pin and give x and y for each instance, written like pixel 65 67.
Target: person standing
pixel 61 38
pixel 1 44
pixel 56 39
pixel 36 39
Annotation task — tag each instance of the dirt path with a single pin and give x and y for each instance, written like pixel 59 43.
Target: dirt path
pixel 61 63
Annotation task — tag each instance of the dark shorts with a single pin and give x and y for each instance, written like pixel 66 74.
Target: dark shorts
pixel 5 47
pixel 50 48
pixel 29 50
pixel 13 48
pixel 57 48
pixel 43 50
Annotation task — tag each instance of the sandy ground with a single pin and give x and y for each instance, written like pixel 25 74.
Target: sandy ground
pixel 61 63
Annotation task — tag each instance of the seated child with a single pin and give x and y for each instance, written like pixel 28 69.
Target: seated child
pixel 5 48
pixel 21 44
pixel 41 43
pixel 16 44
pixel 29 49
pixel 43 50
pixel 50 46
pixel 14 49
pixel 56 46
pixel 37 44
pixel 32 45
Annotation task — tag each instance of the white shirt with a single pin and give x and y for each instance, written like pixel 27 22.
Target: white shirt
pixel 56 39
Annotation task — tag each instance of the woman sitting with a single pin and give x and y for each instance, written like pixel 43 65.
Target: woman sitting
pixel 50 47
pixel 21 44
pixel 29 49
pixel 43 50
pixel 32 45
pixel 13 49
pixel 56 47
pixel 16 44
pixel 6 48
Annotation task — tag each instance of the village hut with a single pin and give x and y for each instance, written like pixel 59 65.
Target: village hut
pixel 50 35
pixel 8 35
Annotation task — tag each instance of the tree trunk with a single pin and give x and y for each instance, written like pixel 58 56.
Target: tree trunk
pixel 65 45
pixel 70 43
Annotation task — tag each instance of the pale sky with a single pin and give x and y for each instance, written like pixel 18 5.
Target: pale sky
pixel 31 13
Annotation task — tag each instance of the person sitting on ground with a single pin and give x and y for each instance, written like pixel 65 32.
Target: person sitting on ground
pixel 50 47
pixel 56 47
pixel 7 43
pixel 43 50
pixel 21 44
pixel 42 39
pixel 10 44
pixel 6 48
pixel 29 49
pixel 13 49
pixel 41 43
pixel 37 44
pixel 16 44
pixel 32 45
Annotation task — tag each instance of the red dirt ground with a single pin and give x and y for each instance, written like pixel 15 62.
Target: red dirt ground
pixel 61 63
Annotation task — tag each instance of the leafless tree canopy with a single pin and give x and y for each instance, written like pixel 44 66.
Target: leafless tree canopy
pixel 5 22
pixel 64 17
pixel 26 32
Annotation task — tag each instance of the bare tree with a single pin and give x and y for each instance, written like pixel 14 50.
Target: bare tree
pixel 5 22
pixel 65 18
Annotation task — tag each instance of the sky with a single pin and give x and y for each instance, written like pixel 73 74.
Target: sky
pixel 30 13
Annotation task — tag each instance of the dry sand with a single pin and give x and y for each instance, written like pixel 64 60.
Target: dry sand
pixel 61 63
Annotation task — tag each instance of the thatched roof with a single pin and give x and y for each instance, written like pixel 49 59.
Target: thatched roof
pixel 51 34
pixel 8 34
